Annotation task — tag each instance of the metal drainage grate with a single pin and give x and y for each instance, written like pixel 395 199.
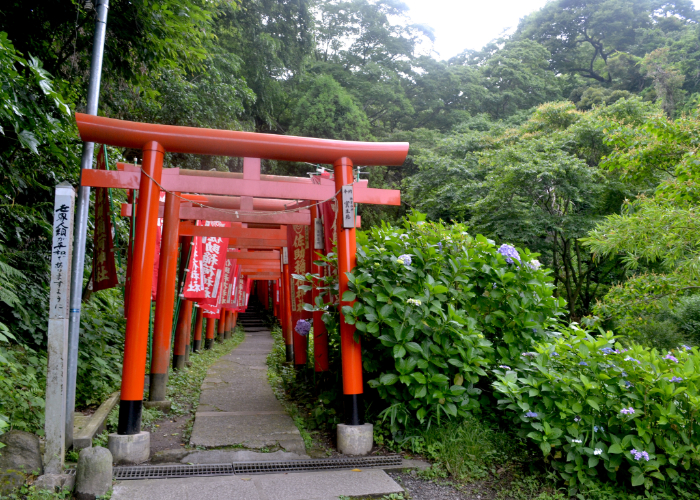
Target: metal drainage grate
pixel 200 470
pixel 314 465
pixel 171 471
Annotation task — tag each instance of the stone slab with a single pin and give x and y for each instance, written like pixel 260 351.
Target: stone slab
pixel 227 457
pixel 251 431
pixel 327 485
pixel 201 488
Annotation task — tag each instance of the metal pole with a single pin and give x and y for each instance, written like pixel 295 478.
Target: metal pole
pixel 81 217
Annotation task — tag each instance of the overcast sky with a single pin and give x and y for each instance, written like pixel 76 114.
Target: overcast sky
pixel 471 24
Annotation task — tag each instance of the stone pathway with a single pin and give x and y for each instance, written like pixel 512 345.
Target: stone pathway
pixel 237 406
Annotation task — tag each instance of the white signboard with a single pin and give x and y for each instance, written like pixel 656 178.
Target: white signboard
pixel 285 256
pixel 348 207
pixel 318 234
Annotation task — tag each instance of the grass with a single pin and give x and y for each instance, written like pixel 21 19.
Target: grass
pixel 282 377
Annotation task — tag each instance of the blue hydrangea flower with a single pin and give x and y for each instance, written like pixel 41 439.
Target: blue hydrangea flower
pixel 628 358
pixel 531 414
pixel 671 357
pixel 598 429
pixel 685 347
pixel 627 411
pixel 638 455
pixel 404 259
pixel 583 363
pixel 440 246
pixel 577 418
pixel 510 253
pixel 676 379
pixel 303 327
pixel 607 350
pixel 505 367
pixel 628 384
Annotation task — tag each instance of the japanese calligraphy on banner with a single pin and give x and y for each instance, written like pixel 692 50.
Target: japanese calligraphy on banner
pixel 229 284
pixel 104 270
pixel 61 252
pixel 298 239
pixel 156 262
pixel 206 267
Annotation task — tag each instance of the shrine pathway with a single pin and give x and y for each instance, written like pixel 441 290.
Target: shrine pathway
pixel 237 408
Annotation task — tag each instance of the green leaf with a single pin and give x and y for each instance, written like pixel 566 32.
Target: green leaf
pixel 389 379
pixel 593 403
pixel 615 448
pixel 638 480
pixel 349 296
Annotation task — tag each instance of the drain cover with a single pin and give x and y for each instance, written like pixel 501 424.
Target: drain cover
pixel 200 470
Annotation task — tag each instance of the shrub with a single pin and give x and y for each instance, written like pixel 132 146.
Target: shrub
pixel 596 408
pixel 435 306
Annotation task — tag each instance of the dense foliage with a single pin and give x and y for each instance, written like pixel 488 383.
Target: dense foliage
pixel 601 409
pixel 436 306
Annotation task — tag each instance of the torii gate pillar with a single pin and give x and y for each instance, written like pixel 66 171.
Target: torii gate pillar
pixel 138 315
pixel 351 353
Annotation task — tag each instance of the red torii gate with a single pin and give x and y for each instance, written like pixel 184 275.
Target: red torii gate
pixel 154 140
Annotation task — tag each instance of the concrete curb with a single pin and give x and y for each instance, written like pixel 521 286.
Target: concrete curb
pixel 86 428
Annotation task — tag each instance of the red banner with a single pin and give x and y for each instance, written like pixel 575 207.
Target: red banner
pixel 228 288
pixel 329 214
pixel 104 270
pixel 156 262
pixel 206 269
pixel 299 263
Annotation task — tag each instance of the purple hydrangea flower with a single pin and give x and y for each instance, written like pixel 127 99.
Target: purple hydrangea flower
pixel 676 379
pixel 529 354
pixel 510 253
pixel 627 411
pixel 531 414
pixel 577 418
pixel 671 357
pixel 440 245
pixel 505 367
pixel 405 259
pixel 303 327
pixel 685 347
pixel 638 455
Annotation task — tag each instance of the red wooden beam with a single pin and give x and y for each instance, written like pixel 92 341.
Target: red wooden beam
pixel 244 256
pixel 176 180
pixel 239 237
pixel 301 217
pixel 175 139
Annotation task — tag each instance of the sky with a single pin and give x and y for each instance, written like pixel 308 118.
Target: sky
pixel 471 24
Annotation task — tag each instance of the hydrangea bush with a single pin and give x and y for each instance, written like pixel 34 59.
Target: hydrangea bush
pixel 436 307
pixel 598 409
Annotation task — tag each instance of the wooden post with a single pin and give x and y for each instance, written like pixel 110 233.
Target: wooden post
pixel 351 353
pixel 320 333
pixel 138 315
pixel 199 319
pixel 165 299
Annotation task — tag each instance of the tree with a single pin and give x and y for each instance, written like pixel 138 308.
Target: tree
pixel 583 34
pixel 667 79
pixel 327 111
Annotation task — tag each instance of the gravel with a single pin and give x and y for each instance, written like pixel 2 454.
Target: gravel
pixel 422 489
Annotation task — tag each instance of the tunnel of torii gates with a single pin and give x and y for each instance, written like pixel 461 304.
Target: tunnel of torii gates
pixel 254 213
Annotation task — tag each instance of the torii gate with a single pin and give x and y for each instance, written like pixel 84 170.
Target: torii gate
pixel 155 140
